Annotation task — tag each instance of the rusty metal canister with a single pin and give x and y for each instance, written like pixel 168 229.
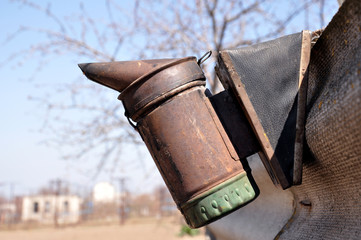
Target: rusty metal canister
pixel 183 133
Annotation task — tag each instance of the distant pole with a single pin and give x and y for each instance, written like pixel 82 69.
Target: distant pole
pixel 12 200
pixel 122 201
pixel 1 220
pixel 161 201
pixel 57 186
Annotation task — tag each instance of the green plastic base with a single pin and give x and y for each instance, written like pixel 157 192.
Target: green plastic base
pixel 218 201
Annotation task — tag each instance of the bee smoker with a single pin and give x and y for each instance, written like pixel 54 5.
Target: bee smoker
pixel 166 99
pixel 198 141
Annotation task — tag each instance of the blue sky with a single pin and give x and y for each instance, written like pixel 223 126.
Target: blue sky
pixel 24 159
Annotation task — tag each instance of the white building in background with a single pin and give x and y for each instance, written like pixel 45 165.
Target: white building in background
pixel 104 192
pixel 45 208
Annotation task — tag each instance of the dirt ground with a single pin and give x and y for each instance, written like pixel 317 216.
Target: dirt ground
pixel 132 230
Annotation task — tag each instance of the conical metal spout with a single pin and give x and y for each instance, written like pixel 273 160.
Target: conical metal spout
pixel 144 84
pixel 119 75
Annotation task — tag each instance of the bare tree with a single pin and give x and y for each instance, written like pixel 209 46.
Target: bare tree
pixel 88 122
pixel 193 27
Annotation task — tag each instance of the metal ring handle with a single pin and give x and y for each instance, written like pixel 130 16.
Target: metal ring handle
pixel 204 57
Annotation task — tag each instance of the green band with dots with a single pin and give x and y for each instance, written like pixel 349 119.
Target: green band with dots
pixel 218 201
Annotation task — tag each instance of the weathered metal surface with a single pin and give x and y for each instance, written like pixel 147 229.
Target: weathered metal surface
pixel 183 143
pixel 190 147
pixel 148 91
pixel 119 75
pixel 188 143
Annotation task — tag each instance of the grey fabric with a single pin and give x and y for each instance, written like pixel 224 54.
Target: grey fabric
pixel 329 199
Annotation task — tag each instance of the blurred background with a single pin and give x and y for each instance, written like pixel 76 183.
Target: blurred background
pixel 69 160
